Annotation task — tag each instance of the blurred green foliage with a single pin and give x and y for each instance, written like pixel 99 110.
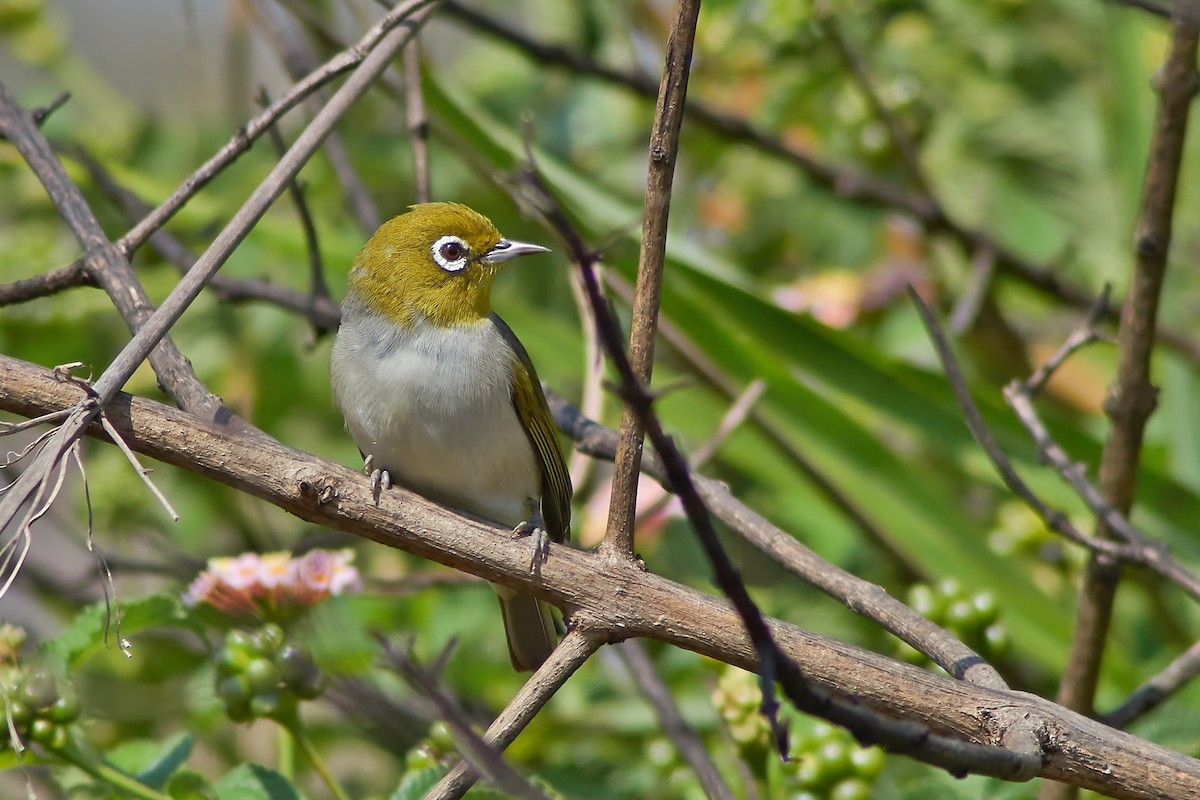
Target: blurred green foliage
pixel 1032 121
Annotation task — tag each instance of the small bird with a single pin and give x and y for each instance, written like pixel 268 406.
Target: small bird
pixel 440 396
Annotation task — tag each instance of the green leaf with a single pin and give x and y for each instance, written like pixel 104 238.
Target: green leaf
pixel 416 783
pixel 255 782
pixel 95 627
pixel 171 756
pixel 187 784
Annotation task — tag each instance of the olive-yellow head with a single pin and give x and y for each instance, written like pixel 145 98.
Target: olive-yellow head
pixel 440 395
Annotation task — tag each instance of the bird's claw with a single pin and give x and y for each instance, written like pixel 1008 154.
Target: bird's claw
pixel 381 479
pixel 540 540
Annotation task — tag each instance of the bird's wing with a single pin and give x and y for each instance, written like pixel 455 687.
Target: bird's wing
pixel 530 404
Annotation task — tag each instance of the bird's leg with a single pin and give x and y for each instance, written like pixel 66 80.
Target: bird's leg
pixel 381 479
pixel 535 529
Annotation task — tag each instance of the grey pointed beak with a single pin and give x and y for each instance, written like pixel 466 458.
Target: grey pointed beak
pixel 507 248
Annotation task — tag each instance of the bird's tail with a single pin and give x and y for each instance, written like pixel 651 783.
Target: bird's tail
pixel 529 626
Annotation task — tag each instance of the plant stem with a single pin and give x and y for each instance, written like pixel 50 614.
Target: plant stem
pixel 293 727
pixel 110 775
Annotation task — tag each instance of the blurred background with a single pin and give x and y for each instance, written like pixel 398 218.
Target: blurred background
pixel 1030 122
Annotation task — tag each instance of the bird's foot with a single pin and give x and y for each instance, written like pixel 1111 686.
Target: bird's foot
pixel 381 479
pixel 540 540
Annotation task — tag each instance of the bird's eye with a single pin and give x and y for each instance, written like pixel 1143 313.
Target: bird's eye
pixel 450 253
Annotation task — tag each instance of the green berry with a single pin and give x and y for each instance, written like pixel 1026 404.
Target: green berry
pixel 233 658
pixel 813 774
pixel 268 639
pixel 298 670
pixel 923 600
pixel 868 762
pixel 996 637
pixel 234 691
pixel 851 789
pixel 21 712
pixel 65 709
pixel 986 607
pixel 960 615
pixel 41 690
pixel 42 730
pixel 265 705
pixel 836 758
pixel 950 588
pixel 262 675
pixel 240 641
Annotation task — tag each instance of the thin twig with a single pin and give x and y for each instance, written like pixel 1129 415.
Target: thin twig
pixel 664 150
pixel 576 647
pixel 342 62
pixel 897 132
pixel 686 741
pixel 418 120
pixel 46 284
pixel 1021 756
pixel 141 471
pixel 318 289
pixel 156 327
pixel 850 184
pixel 1151 694
pixel 299 60
pixel 622 600
pixel 1134 546
pixel 1132 398
pixel 479 754
pixel 703 366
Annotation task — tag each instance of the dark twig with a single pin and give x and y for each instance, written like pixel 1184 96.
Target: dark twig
pixel 299 60
pixel 710 372
pixel 342 62
pixel 40 115
pixel 46 284
pixel 156 326
pixel 897 132
pixel 1131 398
pixel 576 647
pixel 664 149
pixel 621 600
pixel 418 120
pixel 1151 694
pixel 319 290
pixel 847 183
pixel 107 267
pixel 474 750
pixel 1134 546
pixel 321 312
pixel 686 741
pixel 1019 759
pixel 861 597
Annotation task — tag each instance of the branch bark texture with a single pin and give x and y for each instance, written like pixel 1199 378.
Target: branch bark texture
pixel 616 596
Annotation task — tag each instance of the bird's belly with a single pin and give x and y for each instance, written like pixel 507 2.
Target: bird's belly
pixel 444 426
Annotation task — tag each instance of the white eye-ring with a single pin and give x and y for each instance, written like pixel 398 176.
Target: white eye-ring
pixel 450 253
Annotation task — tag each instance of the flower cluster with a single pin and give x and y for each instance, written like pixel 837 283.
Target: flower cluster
pixel 273 585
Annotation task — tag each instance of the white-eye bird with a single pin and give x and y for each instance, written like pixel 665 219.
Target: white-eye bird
pixel 441 397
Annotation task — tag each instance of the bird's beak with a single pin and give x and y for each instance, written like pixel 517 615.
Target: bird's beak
pixel 507 248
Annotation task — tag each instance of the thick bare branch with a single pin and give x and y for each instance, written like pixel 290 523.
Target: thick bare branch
pixel 1132 398
pixel 664 149
pixel 617 598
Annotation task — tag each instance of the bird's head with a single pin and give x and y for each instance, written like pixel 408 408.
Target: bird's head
pixel 436 262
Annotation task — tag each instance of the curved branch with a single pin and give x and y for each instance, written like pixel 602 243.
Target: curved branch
pixel 618 596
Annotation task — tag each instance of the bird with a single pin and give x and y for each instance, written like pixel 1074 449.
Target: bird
pixel 441 397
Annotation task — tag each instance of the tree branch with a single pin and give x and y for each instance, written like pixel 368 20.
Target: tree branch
pixel 664 149
pixel 1131 398
pixel 616 597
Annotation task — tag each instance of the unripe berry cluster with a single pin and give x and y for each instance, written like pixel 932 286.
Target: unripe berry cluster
pixel 827 764
pixel 260 675
pixel 973 618
pixel 40 710
pixel 824 761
